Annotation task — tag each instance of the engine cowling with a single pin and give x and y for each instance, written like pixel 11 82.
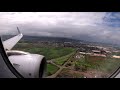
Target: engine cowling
pixel 28 65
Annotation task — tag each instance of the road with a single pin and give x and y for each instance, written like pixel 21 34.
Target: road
pixel 60 67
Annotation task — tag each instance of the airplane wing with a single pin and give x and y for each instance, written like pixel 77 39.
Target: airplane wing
pixel 10 43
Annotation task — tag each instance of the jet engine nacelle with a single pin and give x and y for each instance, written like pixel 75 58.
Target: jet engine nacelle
pixel 28 65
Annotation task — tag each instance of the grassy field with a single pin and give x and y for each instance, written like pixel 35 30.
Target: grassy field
pixel 51 69
pixel 48 52
pixel 62 60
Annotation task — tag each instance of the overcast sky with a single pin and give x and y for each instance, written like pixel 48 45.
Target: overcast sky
pixel 90 26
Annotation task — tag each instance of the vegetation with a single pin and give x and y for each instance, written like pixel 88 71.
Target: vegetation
pixel 61 55
pixel 67 73
pixel 51 69
pixel 107 65
pixel 48 52
pixel 116 53
pixel 110 65
pixel 62 60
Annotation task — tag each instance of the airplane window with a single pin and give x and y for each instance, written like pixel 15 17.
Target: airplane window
pixel 6 68
pixel 74 44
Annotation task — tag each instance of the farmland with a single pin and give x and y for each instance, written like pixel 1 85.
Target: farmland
pixel 51 69
pixel 66 60
pixel 58 54
pixel 49 52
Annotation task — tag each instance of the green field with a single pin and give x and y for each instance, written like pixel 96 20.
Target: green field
pixel 51 69
pixel 48 52
pixel 62 60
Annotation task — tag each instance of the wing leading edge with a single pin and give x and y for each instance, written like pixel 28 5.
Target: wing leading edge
pixel 10 43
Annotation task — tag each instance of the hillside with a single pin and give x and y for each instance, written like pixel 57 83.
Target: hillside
pixel 34 39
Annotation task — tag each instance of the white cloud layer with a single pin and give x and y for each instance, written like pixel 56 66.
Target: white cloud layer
pixel 79 25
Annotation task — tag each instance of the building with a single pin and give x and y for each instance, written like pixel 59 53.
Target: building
pixel 96 51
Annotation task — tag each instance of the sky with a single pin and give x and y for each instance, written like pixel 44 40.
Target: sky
pixel 89 26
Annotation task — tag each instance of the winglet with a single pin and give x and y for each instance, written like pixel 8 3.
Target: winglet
pixel 18 30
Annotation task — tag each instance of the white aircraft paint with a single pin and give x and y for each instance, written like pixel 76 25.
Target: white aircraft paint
pixel 10 43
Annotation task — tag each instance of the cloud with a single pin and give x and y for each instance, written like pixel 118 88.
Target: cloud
pixel 91 26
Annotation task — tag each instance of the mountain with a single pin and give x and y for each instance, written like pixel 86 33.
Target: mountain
pixel 41 38
pixel 34 39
